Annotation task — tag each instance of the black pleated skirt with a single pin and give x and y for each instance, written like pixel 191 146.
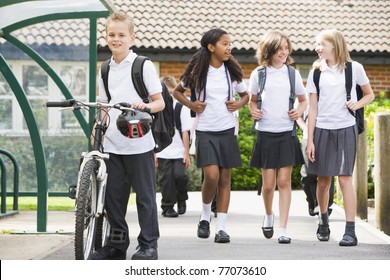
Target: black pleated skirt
pixel 217 148
pixel 276 150
pixel 335 151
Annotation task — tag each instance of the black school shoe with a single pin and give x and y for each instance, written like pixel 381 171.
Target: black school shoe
pixel 108 253
pixel 348 240
pixel 145 253
pixel 221 237
pixel 203 229
pixel 284 240
pixel 268 232
pixel 181 207
pixel 323 233
pixel 170 213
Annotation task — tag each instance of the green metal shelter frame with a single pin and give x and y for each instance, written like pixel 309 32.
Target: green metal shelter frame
pixel 16 14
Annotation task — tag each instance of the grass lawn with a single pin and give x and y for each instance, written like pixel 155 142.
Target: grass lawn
pixel 28 203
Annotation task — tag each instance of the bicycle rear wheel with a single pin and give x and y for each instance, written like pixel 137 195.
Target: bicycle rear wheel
pixel 86 220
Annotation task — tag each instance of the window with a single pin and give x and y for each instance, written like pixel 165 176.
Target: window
pixel 39 88
pixel 35 84
pixel 304 70
pixel 5 104
pixel 74 77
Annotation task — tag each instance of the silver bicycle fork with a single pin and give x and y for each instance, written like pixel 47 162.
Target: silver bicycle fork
pixel 101 176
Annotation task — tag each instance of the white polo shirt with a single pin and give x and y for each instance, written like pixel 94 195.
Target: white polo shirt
pixel 176 149
pixel 275 98
pixel 122 89
pixel 332 112
pixel 216 116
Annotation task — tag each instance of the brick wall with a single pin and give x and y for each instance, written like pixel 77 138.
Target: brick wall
pixel 175 69
pixel 379 75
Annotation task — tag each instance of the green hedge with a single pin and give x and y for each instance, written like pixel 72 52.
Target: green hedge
pixel 62 160
pixel 381 103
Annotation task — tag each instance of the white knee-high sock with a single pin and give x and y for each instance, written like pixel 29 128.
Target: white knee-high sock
pixel 221 221
pixel 282 232
pixel 206 212
pixel 268 220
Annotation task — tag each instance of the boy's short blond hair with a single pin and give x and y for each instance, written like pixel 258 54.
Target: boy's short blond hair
pixel 169 81
pixel 121 16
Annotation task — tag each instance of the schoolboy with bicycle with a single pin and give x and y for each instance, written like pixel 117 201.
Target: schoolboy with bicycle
pixel 131 161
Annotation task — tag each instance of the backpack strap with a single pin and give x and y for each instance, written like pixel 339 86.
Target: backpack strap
pixel 291 76
pixel 178 108
pixel 316 80
pixel 348 83
pixel 104 70
pixel 262 74
pixel 137 77
pixel 262 77
pixel 229 81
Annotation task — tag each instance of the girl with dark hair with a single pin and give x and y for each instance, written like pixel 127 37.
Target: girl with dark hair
pixel 213 75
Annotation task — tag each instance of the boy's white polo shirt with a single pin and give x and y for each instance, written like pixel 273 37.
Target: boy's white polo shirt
pixel 122 89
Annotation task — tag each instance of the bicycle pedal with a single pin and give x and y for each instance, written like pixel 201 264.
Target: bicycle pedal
pixel 72 191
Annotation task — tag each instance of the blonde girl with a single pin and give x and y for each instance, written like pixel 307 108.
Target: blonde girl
pixel 332 130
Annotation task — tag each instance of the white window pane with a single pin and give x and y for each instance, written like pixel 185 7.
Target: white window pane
pixel 40 112
pixel 5 114
pixel 35 81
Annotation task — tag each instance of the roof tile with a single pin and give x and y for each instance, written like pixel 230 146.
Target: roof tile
pixel 180 24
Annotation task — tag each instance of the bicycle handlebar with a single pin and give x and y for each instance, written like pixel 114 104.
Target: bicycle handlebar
pixel 65 103
pixel 123 106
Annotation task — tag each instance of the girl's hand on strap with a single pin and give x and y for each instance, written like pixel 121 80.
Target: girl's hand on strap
pixel 198 106
pixel 231 105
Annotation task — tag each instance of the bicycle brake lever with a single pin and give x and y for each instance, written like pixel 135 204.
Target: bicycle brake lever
pixel 146 109
pixel 66 109
pixel 123 104
pixel 128 105
pixel 70 108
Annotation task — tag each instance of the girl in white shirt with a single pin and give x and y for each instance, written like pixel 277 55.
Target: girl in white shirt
pixel 276 149
pixel 213 74
pixel 332 130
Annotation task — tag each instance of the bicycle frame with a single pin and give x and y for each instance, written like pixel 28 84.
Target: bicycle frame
pixel 97 155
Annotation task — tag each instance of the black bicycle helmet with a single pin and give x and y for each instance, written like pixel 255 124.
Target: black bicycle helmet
pixel 134 124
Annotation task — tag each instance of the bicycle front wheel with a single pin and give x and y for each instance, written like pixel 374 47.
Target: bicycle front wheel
pixel 86 219
pixel 102 231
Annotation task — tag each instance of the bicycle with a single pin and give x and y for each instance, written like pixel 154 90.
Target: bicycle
pixel 92 228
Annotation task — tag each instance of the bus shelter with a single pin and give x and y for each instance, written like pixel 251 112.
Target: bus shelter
pixel 18 14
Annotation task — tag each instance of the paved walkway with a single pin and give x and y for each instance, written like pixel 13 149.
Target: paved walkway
pixel 178 235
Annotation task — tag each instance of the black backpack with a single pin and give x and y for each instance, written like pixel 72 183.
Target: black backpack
pixel 163 126
pixel 262 78
pixel 359 113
